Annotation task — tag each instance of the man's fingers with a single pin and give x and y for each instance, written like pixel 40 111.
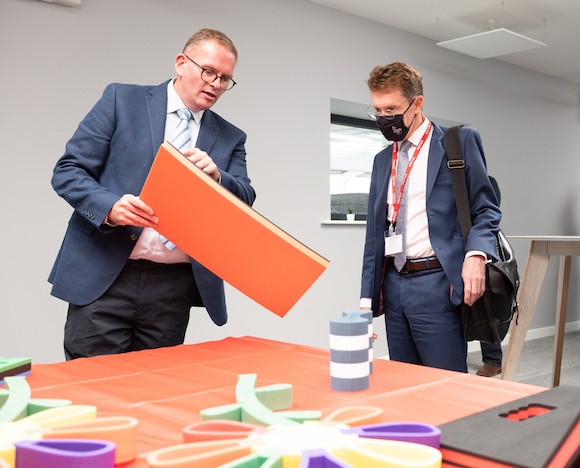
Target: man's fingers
pixel 141 206
pixel 132 211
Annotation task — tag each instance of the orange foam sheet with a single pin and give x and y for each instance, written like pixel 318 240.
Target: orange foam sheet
pixel 166 388
pixel 227 236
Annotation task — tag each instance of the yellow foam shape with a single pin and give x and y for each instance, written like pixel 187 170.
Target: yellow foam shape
pixel 212 453
pixel 377 453
pixel 122 430
pixel 60 416
pixel 356 415
pixel 291 460
pixel 7 455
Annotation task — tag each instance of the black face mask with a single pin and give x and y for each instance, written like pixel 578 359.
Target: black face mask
pixel 393 126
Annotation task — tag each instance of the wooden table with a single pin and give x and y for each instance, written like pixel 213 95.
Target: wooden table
pixel 541 248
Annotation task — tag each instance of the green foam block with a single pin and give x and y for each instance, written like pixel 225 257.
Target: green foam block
pixel 253 411
pixel 231 412
pixel 16 405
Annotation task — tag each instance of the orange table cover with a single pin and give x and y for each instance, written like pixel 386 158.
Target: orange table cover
pixel 166 388
pixel 226 235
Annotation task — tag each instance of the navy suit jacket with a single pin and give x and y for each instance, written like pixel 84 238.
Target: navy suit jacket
pixel 109 155
pixel 444 229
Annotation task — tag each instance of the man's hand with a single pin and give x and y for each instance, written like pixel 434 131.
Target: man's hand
pixel 203 160
pixel 473 274
pixel 131 211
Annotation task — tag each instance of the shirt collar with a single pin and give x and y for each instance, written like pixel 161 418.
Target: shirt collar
pixel 174 103
pixel 416 136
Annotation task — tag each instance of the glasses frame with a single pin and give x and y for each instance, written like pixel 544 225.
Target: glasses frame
pixel 205 71
pixel 373 115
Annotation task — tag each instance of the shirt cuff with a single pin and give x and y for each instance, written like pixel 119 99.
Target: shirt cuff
pixel 472 253
pixel 106 222
pixel 366 303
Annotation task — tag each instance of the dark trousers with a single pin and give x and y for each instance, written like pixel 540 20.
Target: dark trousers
pixel 423 325
pixel 146 307
pixel 491 353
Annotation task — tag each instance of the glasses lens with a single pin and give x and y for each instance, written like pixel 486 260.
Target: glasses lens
pixel 208 75
pixel 226 83
pixel 388 118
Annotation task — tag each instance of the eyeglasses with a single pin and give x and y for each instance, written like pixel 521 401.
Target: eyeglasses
pixel 389 115
pixel 209 76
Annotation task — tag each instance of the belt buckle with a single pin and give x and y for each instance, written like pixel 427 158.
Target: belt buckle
pixel 405 270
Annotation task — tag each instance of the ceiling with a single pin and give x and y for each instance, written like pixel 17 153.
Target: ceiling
pixel 554 22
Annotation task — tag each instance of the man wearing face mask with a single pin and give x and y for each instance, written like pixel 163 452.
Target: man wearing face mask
pixel 416 268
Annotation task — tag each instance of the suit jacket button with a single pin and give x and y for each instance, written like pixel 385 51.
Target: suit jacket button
pixel 134 237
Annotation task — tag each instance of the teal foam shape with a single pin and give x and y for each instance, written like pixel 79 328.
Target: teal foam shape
pixel 16 405
pixel 253 411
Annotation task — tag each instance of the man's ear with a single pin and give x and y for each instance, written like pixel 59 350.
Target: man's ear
pixel 419 103
pixel 180 62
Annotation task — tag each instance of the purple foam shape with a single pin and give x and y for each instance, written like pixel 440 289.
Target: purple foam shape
pixel 320 458
pixel 65 453
pixel 418 433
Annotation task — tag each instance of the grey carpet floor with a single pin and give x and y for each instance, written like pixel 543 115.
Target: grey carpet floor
pixel 536 361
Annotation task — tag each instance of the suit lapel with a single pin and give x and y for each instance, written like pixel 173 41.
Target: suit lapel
pixel 436 153
pixel 157 110
pixel 383 175
pixel 208 132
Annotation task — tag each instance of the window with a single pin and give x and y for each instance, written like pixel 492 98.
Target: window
pixel 354 142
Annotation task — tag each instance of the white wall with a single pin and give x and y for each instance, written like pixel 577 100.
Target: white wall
pixel 294 57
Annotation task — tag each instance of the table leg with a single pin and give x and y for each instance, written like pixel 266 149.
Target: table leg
pixel 562 305
pixel 535 271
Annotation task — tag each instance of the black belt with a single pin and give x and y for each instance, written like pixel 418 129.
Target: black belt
pixel 149 265
pixel 417 264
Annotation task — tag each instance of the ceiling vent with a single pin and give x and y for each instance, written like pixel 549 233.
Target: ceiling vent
pixel 69 3
pixel 491 43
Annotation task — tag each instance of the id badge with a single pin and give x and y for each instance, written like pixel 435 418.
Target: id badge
pixel 393 244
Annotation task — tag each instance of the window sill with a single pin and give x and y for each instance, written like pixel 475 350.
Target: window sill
pixel 333 222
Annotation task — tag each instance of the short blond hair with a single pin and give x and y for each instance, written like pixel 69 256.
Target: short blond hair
pixel 396 75
pixel 210 34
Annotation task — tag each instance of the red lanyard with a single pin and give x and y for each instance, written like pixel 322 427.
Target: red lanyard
pixel 397 199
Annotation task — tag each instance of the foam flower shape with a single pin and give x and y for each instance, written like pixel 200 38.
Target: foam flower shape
pixel 74 431
pixel 250 433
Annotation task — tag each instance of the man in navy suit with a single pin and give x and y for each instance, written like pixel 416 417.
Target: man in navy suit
pixel 127 287
pixel 417 270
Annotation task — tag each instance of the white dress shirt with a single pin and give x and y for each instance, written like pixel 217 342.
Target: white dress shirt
pixel 149 245
pixel 417 240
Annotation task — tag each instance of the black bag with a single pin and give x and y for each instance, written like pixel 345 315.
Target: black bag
pixel 489 318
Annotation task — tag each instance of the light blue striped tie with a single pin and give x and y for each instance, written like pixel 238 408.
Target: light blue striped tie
pixel 402 163
pixel 182 137
pixel 181 140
